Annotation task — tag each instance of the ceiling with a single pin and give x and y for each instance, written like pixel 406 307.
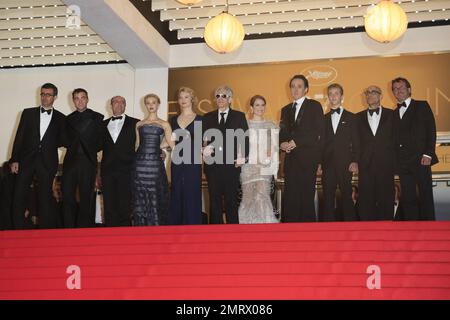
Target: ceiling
pixel 36 32
pixel 280 18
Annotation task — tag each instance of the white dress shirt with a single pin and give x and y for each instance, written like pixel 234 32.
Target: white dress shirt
pixel 335 118
pixel 403 109
pixel 45 119
pixel 374 120
pixel 227 111
pixel 298 105
pixel 114 127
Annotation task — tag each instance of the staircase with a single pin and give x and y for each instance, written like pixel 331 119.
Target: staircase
pixel 222 262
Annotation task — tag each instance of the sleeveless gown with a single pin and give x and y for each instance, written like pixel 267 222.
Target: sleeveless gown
pixel 256 177
pixel 186 185
pixel 150 186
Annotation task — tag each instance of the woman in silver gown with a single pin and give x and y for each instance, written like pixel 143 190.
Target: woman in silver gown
pixel 256 175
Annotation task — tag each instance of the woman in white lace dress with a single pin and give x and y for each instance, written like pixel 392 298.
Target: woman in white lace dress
pixel 256 176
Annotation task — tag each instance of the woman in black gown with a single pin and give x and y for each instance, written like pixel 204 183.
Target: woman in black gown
pixel 186 167
pixel 150 187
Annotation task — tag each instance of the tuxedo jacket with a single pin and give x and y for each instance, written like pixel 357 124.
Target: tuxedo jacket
pixel 307 131
pixel 235 120
pixel 378 150
pixel 28 145
pixel 87 136
pixel 119 156
pixel 341 148
pixel 421 133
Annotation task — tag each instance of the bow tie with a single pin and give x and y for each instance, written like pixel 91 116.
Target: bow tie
pixel 403 104
pixel 48 111
pixel 371 111
pixel 338 111
pixel 116 118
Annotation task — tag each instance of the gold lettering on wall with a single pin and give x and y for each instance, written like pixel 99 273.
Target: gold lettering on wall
pixel 427 73
pixel 445 103
pixel 443 154
pixel 320 75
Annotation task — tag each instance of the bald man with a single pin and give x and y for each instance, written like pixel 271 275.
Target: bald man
pixel 376 165
pixel 119 138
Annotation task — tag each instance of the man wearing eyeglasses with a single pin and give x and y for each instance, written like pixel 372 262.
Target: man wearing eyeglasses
pixel 118 144
pixel 376 165
pixel 226 148
pixel 416 132
pixel 40 133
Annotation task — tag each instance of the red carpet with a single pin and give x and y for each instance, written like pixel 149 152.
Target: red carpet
pixel 281 261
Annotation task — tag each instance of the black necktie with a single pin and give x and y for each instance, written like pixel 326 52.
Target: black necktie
pixel 371 111
pixel 116 118
pixel 338 111
pixel 403 104
pixel 48 111
pixel 294 109
pixel 222 118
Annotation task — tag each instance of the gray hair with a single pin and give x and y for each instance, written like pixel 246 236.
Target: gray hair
pixel 227 90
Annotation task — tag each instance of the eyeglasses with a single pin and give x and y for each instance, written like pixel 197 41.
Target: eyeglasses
pixel 47 95
pixel 223 95
pixel 372 92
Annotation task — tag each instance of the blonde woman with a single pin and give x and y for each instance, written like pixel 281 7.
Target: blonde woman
pixel 150 187
pixel 186 167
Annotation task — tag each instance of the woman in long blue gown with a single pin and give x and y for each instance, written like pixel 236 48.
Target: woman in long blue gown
pixel 186 169
pixel 150 187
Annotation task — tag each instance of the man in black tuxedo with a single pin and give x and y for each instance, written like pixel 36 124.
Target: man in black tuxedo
pixel 377 159
pixel 301 135
pixel 340 156
pixel 118 145
pixel 84 132
pixel 226 149
pixel 416 131
pixel 40 133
